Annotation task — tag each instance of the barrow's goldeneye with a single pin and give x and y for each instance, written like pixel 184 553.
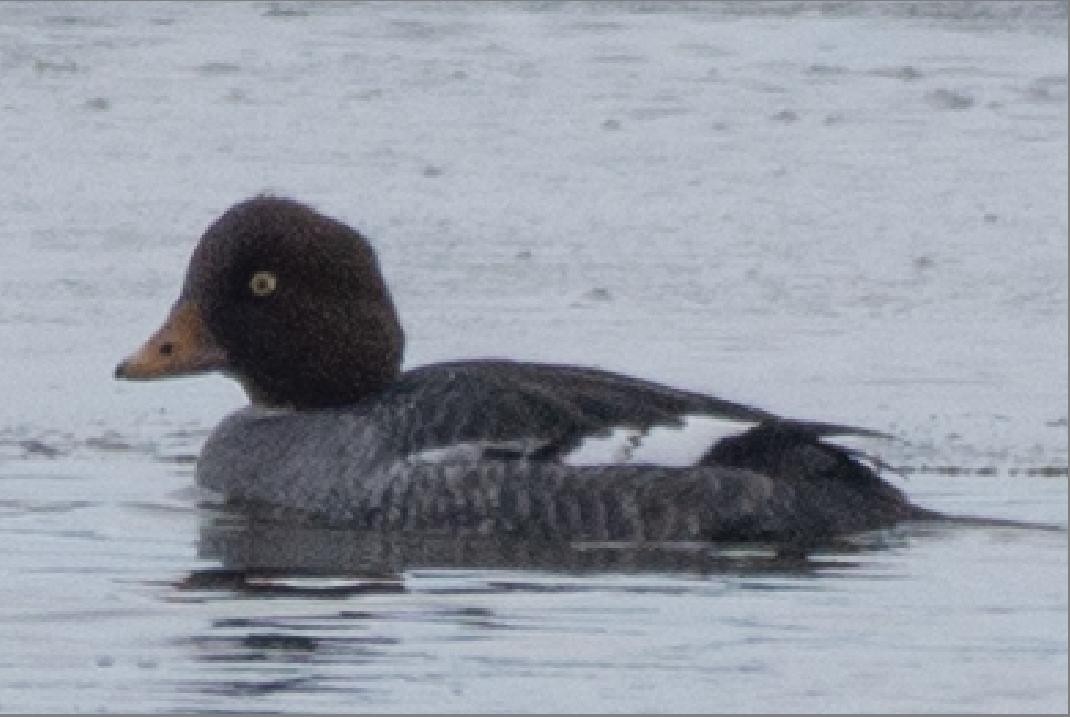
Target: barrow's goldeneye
pixel 293 305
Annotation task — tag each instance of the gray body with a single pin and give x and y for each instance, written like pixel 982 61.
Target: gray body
pixel 368 466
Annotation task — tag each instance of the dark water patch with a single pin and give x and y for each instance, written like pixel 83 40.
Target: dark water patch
pixel 767 88
pixel 824 70
pixel 32 443
pixel 253 688
pixel 598 27
pixel 906 73
pixel 620 59
pixel 238 96
pixel 267 645
pixel 285 11
pixel 79 20
pixel 704 49
pixel 985 471
pixel 1040 472
pixel 152 507
pixel 212 69
pixel 374 93
pixel 37 506
pixel 47 615
pixel 65 66
pixel 1049 89
pixel 425 30
pixel 110 441
pixel 593 296
pixel 946 99
pixel 183 459
pixel 38 448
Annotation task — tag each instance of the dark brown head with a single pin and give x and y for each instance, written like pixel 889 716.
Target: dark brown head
pixel 289 302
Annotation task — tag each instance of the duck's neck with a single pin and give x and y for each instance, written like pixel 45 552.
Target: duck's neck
pixel 330 368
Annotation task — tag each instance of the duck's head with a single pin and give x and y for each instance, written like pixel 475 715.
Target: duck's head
pixel 289 302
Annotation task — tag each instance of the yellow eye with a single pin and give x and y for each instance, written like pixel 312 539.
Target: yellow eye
pixel 263 283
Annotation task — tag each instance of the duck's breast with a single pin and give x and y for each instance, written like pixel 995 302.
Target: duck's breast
pixel 304 460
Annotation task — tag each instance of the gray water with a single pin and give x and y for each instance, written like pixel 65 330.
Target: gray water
pixel 851 212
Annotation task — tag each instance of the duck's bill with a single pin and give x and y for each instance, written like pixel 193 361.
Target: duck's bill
pixel 182 346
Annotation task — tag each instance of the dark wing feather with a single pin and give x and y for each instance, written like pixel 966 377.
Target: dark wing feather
pixel 549 408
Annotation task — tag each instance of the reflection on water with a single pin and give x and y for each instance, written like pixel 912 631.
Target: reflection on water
pixel 461 584
pixel 332 615
pixel 264 557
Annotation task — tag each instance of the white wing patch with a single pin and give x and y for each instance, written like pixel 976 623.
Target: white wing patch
pixel 470 452
pixel 680 445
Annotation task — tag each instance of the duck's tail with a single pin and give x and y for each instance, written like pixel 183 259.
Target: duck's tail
pixel 980 521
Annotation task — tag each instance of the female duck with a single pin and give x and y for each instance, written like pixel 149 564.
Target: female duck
pixel 292 304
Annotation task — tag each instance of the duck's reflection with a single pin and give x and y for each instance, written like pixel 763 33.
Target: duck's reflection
pixel 316 616
pixel 254 556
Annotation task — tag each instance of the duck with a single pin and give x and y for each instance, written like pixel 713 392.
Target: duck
pixel 293 305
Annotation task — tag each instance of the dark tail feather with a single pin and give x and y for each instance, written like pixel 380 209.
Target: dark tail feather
pixel 819 429
pixel 984 522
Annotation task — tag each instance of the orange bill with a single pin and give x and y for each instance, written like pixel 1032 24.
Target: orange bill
pixel 180 347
